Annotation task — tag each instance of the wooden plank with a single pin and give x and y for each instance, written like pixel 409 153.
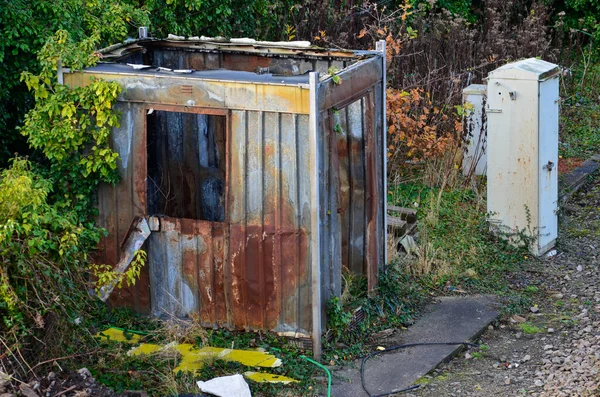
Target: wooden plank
pixel 407 214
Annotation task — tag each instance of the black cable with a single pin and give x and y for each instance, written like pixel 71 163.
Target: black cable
pixel 398 347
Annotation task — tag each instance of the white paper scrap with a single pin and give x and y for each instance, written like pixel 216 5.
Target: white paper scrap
pixel 226 386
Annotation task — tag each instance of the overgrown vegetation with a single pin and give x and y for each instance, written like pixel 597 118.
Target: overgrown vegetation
pixel 46 214
pixel 61 135
pixel 351 319
pixel 580 119
pixel 154 373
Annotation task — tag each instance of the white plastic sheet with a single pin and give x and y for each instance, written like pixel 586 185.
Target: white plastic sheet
pixel 226 386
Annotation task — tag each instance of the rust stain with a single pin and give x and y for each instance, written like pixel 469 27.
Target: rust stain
pixel 371 246
pixel 244 62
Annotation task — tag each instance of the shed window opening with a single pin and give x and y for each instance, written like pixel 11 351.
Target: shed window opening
pixel 186 165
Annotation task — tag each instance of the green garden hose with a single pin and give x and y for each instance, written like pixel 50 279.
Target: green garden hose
pixel 324 368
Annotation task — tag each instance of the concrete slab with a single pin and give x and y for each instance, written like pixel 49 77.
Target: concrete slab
pixel 574 180
pixel 450 319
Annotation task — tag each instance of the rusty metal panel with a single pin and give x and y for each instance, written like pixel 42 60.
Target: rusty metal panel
pixel 171 254
pixel 196 60
pixel 293 240
pixel 342 139
pixel 272 230
pixel 381 174
pixel 304 205
pixel 119 205
pixel 268 245
pixel 167 90
pixel 324 175
pixel 355 175
pixel 331 260
pixel 372 207
pixel 185 258
pixel 356 170
pixel 256 270
pixel 237 216
pixel 356 79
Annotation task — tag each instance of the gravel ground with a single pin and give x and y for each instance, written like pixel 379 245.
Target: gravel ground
pixel 553 349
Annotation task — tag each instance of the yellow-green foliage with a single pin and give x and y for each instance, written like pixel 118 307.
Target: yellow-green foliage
pixel 46 212
pixel 40 246
pixel 105 274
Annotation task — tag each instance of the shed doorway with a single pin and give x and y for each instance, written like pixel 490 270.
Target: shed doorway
pixel 186 189
pixel 186 165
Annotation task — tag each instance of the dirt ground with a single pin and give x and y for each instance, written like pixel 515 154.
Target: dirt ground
pixel 554 348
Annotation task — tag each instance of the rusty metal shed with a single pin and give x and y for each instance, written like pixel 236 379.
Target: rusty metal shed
pixel 264 174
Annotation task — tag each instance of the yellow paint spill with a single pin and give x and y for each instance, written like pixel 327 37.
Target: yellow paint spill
pixel 263 377
pixel 253 358
pixel 144 348
pixel 118 335
pixel 193 358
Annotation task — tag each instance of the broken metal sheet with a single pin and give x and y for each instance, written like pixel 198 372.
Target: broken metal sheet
pixel 218 44
pixel 133 243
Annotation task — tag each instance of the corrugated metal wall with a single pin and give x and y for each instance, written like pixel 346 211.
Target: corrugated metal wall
pixel 119 205
pixel 251 272
pixel 270 220
pixel 254 271
pixel 352 192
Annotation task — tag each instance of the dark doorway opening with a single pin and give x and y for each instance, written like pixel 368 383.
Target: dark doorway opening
pixel 186 165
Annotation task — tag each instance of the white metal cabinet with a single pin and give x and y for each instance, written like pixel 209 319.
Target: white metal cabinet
pixel 475 153
pixel 522 115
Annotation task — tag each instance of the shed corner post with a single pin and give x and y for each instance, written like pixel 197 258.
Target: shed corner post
pixel 60 72
pixel 315 221
pixel 381 47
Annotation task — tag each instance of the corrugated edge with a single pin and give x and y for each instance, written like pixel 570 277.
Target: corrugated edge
pixel 315 223
pixel 381 47
pixel 271 47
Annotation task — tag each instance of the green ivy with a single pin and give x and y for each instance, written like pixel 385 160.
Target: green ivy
pixel 26 25
pixel 71 126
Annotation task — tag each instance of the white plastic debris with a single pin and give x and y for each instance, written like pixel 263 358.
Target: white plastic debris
pixel 226 386
pixel 139 66
pixel 245 40
pixel 175 37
